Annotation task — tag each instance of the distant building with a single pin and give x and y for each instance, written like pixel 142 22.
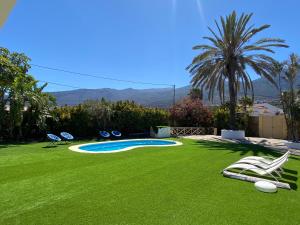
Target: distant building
pixel 7 107
pixel 265 109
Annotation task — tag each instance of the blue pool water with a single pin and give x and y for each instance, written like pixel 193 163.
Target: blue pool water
pixel 122 145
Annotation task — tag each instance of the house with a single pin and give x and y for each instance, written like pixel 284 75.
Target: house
pixel 267 121
pixel 7 107
pixel 265 109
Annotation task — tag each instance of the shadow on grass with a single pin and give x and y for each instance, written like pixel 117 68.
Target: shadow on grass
pixel 293 186
pixel 50 146
pixel 290 171
pixel 12 145
pixel 289 177
pixel 285 178
pixel 6 146
pixel 64 143
pixel 243 149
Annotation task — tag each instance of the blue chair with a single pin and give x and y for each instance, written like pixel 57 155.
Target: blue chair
pixel 66 136
pixel 116 133
pixel 104 134
pixel 53 138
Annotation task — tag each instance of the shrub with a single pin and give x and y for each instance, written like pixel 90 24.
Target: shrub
pixel 221 118
pixel 191 113
pixel 131 117
pixel 73 119
pixel 88 119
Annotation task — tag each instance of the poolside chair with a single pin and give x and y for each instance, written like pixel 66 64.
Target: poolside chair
pixel 264 162
pixel 116 133
pixel 272 168
pixel 266 159
pixel 66 136
pixel 53 138
pixel 104 134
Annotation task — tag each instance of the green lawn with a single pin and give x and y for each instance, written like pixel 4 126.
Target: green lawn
pixel 171 185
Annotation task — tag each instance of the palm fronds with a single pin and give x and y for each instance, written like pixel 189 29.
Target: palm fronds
pixel 229 55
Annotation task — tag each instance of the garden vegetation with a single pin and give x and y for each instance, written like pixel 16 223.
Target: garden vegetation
pixel 87 119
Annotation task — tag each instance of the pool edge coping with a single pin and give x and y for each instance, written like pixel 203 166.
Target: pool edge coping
pixel 75 148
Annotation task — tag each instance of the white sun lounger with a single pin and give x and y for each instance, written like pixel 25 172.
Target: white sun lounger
pixel 264 163
pixel 258 170
pixel 266 159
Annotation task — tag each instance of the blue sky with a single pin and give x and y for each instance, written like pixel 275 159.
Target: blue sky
pixel 142 40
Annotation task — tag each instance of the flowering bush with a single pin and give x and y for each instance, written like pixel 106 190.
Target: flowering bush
pixel 190 112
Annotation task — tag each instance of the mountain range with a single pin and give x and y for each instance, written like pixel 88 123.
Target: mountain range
pixel 158 97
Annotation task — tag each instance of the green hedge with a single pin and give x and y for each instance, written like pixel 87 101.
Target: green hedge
pixel 87 119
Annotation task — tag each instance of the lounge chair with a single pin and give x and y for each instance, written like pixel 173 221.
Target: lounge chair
pixel 264 162
pixel 53 138
pixel 266 159
pixel 257 169
pixel 66 136
pixel 104 134
pixel 116 133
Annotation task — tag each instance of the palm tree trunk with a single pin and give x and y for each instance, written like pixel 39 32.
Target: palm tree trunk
pixel 232 103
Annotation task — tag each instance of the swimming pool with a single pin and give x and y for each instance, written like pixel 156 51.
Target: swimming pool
pixel 123 145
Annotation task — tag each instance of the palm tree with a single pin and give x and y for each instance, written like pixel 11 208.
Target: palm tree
pixel 25 91
pixel 196 93
pixel 289 99
pixel 40 104
pixel 225 59
pixel 245 102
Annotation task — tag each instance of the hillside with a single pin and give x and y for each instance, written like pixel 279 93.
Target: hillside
pixel 156 97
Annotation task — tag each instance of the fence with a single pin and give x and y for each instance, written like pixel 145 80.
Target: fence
pixel 186 131
pixel 272 127
pixel 262 126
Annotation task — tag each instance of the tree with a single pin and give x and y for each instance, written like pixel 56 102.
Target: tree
pixel 196 93
pixel 245 102
pixel 39 107
pixel 88 119
pixel 290 98
pixel 8 72
pixel 101 111
pixel 17 90
pixel 224 61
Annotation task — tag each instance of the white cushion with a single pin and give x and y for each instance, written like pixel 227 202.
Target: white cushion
pixel 265 186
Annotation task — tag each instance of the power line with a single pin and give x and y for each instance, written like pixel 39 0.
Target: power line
pixel 99 77
pixel 77 87
pixel 60 84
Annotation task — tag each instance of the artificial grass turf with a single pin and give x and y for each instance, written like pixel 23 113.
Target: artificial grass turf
pixel 167 185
